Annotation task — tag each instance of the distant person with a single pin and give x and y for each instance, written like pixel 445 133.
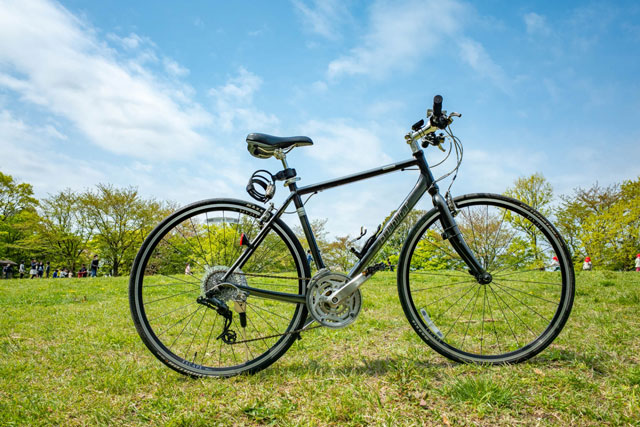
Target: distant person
pixel 94 266
pixel 21 269
pixel 555 264
pixel 64 273
pixel 83 271
pixel 309 257
pixel 33 271
pixel 389 265
pixel 638 262
pixel 187 270
pixel 47 268
pixel 55 274
pixel 9 273
pixel 587 266
pixel 40 270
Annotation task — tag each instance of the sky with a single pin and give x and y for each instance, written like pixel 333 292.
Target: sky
pixel 160 95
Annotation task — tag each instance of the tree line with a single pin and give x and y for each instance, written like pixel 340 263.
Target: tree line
pixel 68 228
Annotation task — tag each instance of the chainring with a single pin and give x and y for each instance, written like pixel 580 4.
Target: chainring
pixel 319 308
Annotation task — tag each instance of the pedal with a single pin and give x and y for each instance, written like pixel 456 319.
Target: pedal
pixel 375 268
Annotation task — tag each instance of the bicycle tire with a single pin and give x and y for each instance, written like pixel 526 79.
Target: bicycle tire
pixel 513 242
pixel 161 293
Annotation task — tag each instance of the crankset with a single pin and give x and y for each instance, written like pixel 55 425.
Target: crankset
pixel 324 284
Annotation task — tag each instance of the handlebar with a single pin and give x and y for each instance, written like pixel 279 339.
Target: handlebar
pixel 436 121
pixel 437 105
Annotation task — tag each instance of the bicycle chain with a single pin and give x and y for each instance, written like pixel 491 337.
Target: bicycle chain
pixel 269 276
pixel 276 335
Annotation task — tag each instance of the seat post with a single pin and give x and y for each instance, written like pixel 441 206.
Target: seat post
pixel 280 155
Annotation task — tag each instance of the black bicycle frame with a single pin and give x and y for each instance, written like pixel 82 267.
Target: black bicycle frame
pixel 425 183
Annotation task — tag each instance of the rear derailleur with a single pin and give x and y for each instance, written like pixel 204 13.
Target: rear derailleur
pixel 227 335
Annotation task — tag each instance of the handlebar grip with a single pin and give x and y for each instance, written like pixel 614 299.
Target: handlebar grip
pixel 437 106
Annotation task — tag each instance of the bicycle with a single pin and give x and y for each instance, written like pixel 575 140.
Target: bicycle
pixel 473 276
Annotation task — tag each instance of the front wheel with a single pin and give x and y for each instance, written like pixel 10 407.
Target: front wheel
pixel 512 318
pixel 184 260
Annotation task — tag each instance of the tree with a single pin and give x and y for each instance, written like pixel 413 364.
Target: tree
pixel 120 219
pixel 574 210
pixel 612 236
pixel 337 254
pixel 17 208
pixel 63 228
pixel 318 226
pixel 535 191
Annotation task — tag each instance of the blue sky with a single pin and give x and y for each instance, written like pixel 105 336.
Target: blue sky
pixel 160 95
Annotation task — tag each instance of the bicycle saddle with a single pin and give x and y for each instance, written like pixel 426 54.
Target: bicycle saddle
pixel 262 146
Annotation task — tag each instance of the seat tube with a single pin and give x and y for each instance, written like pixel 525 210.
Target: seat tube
pixel 306 226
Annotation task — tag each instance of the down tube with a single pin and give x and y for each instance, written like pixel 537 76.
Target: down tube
pixel 401 213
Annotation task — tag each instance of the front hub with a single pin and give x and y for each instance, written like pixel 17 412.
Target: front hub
pixel 484 278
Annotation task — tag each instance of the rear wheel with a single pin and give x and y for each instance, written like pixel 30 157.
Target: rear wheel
pixel 510 319
pixel 184 258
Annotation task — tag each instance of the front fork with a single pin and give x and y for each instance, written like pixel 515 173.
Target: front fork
pixel 451 232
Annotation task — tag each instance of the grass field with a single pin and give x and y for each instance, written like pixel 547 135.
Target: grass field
pixel 69 355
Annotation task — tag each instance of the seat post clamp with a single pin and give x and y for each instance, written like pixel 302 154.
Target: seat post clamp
pixel 291 181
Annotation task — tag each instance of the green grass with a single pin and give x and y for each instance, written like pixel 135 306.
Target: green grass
pixel 69 355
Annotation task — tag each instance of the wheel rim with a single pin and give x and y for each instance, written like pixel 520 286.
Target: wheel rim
pixel 185 333
pixel 517 313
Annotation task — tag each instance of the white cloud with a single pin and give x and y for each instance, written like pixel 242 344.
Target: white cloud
pixel 343 148
pixel 175 69
pixel 233 104
pixel 399 34
pixel 52 59
pixel 323 17
pixel 536 24
pixel 33 159
pixel 474 55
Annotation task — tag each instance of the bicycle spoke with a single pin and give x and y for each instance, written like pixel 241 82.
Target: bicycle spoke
pixel 527 281
pixel 473 308
pixel 195 232
pixel 179 321
pixel 263 319
pixel 185 326
pixel 528 294
pixel 264 309
pixel 484 299
pixel 446 296
pixel 206 347
pixel 515 314
pixel 173 311
pixel 463 273
pixel 170 296
pixel 504 315
pixel 458 318
pixel 445 285
pixel 456 301
pixel 530 308
pixel 194 336
pixel 195 250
